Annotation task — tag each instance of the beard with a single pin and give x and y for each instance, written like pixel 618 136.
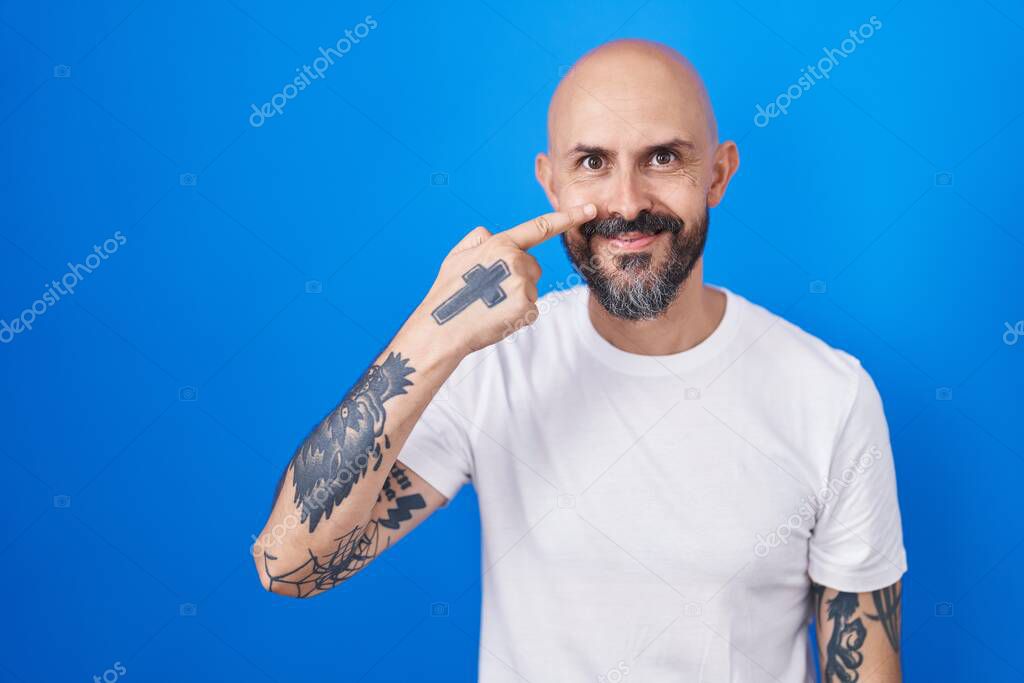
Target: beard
pixel 633 288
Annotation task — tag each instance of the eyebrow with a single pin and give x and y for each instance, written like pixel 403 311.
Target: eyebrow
pixel 678 145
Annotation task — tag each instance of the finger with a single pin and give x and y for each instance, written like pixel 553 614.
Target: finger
pixel 533 232
pixel 528 266
pixel 473 238
pixel 530 289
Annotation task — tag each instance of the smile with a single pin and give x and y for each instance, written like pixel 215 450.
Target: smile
pixel 631 241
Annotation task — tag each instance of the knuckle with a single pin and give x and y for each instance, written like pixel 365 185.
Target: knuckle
pixel 527 294
pixel 543 225
pixel 526 263
pixel 518 260
pixel 509 253
pixel 499 246
pixel 535 265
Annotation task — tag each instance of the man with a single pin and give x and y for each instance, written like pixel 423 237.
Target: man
pixel 672 480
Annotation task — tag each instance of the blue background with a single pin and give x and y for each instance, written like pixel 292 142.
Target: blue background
pixel 124 504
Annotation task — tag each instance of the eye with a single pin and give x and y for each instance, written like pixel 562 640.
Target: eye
pixel 663 158
pixel 593 162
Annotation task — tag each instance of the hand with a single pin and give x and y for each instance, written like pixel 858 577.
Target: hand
pixel 487 286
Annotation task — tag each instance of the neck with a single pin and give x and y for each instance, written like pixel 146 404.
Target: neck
pixel 690 319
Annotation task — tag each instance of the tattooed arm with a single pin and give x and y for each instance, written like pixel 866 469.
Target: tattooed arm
pixel 344 497
pixel 858 634
pixel 404 502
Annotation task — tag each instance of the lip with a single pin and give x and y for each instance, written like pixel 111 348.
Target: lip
pixel 631 241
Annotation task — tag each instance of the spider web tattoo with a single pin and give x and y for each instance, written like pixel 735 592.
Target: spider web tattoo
pixel 355 550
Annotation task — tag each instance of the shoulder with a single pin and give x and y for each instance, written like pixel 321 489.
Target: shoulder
pixel 789 353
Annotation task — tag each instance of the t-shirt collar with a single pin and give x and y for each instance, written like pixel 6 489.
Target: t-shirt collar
pixel 670 364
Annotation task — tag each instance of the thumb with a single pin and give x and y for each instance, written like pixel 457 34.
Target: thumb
pixel 473 238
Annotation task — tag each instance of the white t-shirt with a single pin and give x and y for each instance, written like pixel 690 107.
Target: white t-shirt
pixel 660 518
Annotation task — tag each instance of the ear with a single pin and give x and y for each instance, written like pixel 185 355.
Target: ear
pixel 725 165
pixel 542 170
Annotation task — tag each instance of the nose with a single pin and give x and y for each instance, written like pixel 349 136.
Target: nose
pixel 627 195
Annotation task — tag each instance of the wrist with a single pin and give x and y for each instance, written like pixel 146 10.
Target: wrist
pixel 422 338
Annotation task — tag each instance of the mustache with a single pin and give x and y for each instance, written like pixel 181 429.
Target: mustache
pixel 646 223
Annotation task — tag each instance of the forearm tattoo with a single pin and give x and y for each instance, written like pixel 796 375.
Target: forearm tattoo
pixel 842 650
pixel 355 549
pixel 481 283
pixel 403 505
pixel 339 451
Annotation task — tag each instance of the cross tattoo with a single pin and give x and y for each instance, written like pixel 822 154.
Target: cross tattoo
pixel 481 283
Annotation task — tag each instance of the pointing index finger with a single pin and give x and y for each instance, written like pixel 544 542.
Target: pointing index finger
pixel 533 232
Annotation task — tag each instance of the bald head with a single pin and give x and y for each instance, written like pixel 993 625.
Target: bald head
pixel 622 78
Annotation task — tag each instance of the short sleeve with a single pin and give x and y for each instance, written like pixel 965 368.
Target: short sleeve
pixel 857 542
pixel 438 448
